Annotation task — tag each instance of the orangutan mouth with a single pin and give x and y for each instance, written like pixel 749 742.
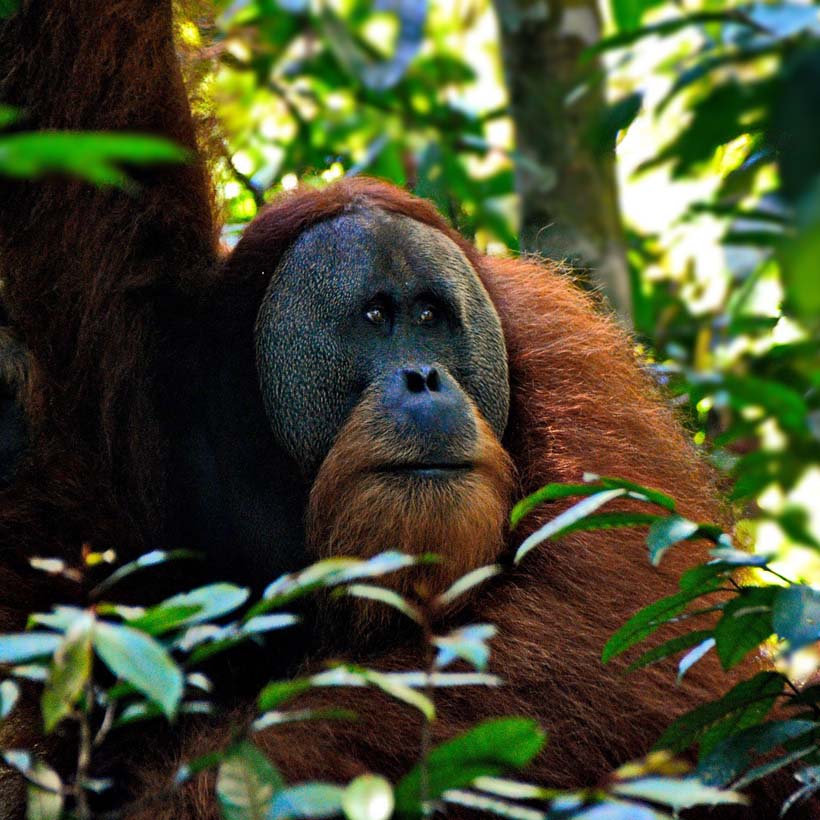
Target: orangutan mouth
pixel 428 469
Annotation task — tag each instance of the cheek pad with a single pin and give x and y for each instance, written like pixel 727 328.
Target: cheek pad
pixel 301 368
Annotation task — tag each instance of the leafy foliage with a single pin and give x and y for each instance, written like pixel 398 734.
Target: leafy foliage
pixel 155 655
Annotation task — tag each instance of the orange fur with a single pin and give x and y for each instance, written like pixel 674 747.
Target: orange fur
pixel 355 509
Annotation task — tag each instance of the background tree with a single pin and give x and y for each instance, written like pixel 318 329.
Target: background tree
pixel 565 139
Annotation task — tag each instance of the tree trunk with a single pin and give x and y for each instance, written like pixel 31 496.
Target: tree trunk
pixel 569 197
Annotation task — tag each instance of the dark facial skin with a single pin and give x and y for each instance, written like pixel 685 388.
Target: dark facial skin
pixel 372 301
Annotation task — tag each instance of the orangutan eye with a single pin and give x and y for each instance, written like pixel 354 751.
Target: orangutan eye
pixel 376 315
pixel 427 315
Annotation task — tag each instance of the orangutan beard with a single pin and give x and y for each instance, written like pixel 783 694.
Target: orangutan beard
pixel 358 508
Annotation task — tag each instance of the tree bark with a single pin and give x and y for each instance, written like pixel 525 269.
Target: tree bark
pixel 568 190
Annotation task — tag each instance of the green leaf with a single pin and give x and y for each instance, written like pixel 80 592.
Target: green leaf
pixel 602 133
pixel 551 492
pixel 481 805
pixel 398 690
pixel 489 749
pixel 677 793
pixel 665 532
pixel 691 658
pixel 208 640
pixel 647 620
pixel 468 643
pixel 275 718
pixel 331 572
pixel 60 618
pixel 309 800
pixel 377 75
pixel 778 399
pixel 594 484
pixel 150 559
pixel 246 783
pixel 384 596
pixel 772 766
pixel 629 13
pixel 638 491
pixel 664 28
pixel 745 624
pixel 466 583
pixel 211 601
pixel 95 157
pixel 704 578
pixel 278 693
pixel 138 659
pixel 368 797
pixel 566 519
pixel 609 521
pixel 8 8
pixel 162 618
pixel 9 695
pixel 44 803
pixel 670 647
pixel 514 789
pixel 69 673
pixel 44 800
pixel 743 706
pixel 732 756
pixel 796 615
pixel 27 646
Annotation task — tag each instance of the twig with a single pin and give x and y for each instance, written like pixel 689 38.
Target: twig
pixel 84 755
pixel 105 726
pixel 426 733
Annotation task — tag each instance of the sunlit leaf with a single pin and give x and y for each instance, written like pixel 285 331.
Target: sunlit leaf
pixel 514 789
pixel 384 596
pixel 677 793
pixel 550 492
pixel 308 800
pixel 617 810
pixel 60 618
pixel 670 647
pixel 44 802
pixel 150 559
pixel 466 583
pixel 138 659
pixel 27 646
pixel 70 671
pixel 566 519
pixel 693 656
pixel 278 693
pixel 162 618
pixel 368 797
pixel 667 532
pixel 331 572
pixel 211 602
pixel 482 805
pixel 9 695
pixel 246 783
pixel 470 643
